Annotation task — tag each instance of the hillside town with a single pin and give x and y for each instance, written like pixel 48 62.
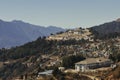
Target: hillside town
pixel 76 34
pixel 59 40
pixel 94 62
pixel 74 54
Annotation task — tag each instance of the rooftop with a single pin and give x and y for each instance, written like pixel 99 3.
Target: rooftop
pixel 48 72
pixel 93 60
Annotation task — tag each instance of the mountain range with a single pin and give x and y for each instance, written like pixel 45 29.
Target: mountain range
pixel 16 32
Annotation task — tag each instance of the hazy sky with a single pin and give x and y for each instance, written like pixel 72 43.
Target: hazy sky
pixel 61 13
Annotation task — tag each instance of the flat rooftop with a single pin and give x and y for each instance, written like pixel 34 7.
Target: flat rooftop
pixel 93 60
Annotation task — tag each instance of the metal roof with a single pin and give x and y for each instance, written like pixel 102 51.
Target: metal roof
pixel 48 72
pixel 93 60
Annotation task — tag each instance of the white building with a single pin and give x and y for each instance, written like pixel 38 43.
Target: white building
pixel 92 63
pixel 48 72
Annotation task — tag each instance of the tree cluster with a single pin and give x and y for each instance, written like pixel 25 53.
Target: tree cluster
pixel 69 61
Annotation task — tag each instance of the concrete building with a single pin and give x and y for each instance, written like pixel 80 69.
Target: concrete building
pixel 92 63
pixel 48 72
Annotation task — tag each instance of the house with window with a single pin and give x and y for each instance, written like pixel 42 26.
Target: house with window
pixel 92 63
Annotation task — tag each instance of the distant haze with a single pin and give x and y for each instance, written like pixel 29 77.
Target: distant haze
pixel 65 13
pixel 16 33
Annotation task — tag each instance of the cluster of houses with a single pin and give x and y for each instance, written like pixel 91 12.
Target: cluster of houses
pixel 87 65
pixel 77 34
pixel 97 52
pixel 88 50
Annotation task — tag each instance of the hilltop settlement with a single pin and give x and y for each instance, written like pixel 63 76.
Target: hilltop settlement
pixel 75 54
